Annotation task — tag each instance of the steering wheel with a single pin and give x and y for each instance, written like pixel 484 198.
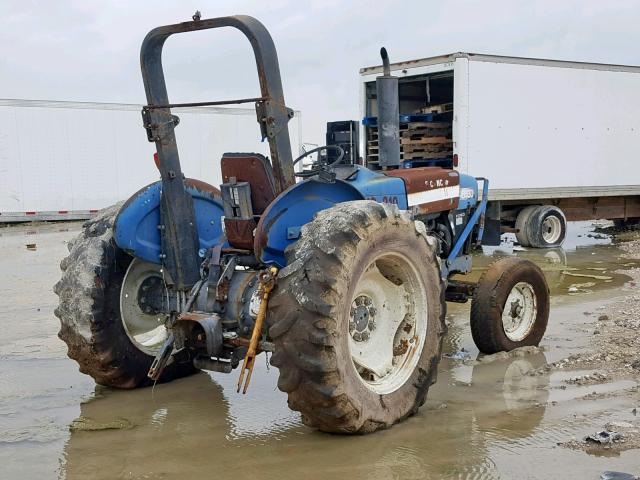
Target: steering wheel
pixel 320 166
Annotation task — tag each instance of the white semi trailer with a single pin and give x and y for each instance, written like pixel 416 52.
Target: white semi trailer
pixel 66 160
pixel 558 140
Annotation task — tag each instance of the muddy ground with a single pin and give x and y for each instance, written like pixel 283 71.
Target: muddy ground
pixel 518 415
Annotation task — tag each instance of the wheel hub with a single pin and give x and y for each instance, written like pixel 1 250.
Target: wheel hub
pixel 362 318
pixel 516 309
pixel 150 295
pixel 551 229
pixel 387 323
pixel 143 306
pixel 520 312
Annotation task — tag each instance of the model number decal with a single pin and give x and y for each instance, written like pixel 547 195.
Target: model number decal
pixel 392 199
pixel 437 183
pixel 466 193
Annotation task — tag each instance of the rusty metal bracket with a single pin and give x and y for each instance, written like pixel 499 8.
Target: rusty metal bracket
pixel 267 282
pixel 222 286
pixel 157 131
pixel 272 117
pixel 211 325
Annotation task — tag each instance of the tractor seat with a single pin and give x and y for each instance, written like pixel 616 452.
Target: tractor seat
pixel 254 169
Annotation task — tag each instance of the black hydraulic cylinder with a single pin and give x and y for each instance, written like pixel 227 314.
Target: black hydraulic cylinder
pixel 388 116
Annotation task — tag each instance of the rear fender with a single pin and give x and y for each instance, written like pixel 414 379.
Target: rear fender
pixel 281 222
pixel 136 229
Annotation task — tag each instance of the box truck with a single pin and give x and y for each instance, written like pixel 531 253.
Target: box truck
pixel 67 160
pixel 558 140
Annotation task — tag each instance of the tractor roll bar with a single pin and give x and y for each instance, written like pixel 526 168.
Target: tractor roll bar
pixel 179 237
pixel 273 115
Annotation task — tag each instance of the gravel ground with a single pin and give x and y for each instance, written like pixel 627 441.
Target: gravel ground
pixel 616 332
pixel 614 355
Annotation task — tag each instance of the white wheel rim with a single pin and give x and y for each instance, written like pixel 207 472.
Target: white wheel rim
pixel 387 323
pixel 146 330
pixel 551 229
pixel 519 312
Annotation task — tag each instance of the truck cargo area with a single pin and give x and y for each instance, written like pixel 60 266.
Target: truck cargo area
pixel 426 115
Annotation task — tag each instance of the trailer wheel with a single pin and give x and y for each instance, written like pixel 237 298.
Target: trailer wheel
pixel 109 330
pixel 510 307
pixel 541 226
pixel 357 318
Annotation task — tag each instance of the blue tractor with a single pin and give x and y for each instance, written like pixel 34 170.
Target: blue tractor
pixel 341 271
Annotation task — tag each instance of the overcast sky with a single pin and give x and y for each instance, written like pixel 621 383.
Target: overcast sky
pixel 88 50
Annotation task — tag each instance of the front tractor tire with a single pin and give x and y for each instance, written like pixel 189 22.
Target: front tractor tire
pixel 510 307
pixel 99 282
pixel 357 318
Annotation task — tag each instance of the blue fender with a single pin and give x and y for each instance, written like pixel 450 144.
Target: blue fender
pixel 136 226
pixel 281 222
pixel 468 192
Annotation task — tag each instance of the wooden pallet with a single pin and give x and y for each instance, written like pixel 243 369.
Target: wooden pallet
pixel 426 155
pixel 375 155
pixel 419 147
pixel 373 135
pixel 417 125
pixel 441 151
pixel 420 140
pixel 441 108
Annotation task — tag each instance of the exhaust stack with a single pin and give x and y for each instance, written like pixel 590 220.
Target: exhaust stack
pixel 388 116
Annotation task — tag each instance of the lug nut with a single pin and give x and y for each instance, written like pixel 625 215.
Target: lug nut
pixel 352 325
pixel 365 335
pixel 357 337
pixel 372 325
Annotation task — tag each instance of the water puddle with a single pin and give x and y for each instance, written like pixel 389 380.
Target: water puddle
pixel 481 420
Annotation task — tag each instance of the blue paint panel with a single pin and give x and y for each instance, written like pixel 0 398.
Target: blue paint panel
pixel 136 227
pixel 294 208
pixel 422 117
pixel 468 182
pixel 377 186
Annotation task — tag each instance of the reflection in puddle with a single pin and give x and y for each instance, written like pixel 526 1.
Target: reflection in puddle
pixel 584 265
pixel 199 421
pixel 480 421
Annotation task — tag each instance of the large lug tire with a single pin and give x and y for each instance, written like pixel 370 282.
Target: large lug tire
pixel 90 310
pixel 510 307
pixel 541 226
pixel 357 318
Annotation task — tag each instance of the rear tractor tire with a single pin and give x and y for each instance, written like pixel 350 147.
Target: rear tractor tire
pixel 357 318
pixel 510 307
pixel 110 309
pixel 541 226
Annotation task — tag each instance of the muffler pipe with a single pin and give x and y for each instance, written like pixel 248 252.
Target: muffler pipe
pixel 388 116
